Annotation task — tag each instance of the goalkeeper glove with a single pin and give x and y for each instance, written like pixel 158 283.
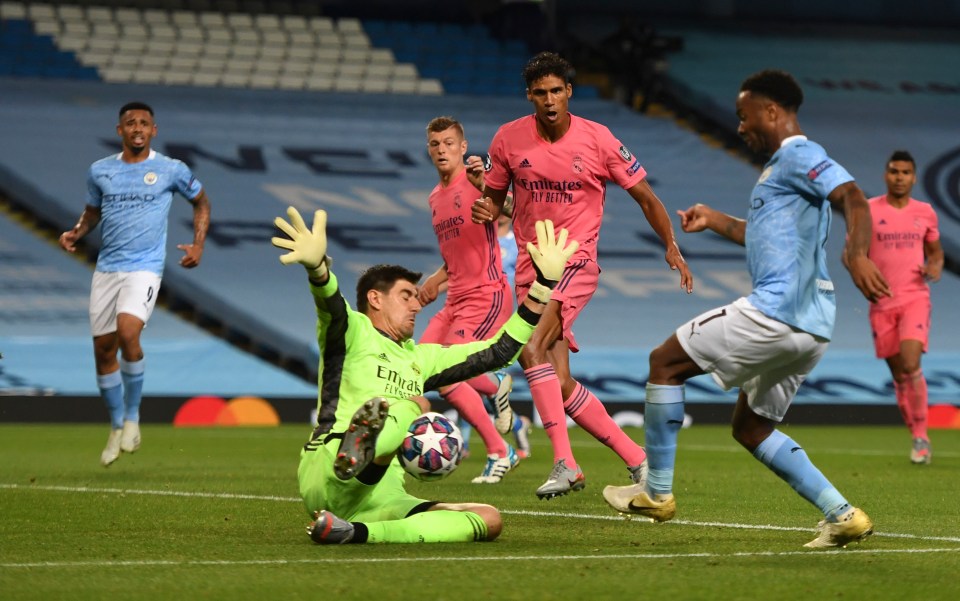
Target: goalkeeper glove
pixel 307 247
pixel 549 258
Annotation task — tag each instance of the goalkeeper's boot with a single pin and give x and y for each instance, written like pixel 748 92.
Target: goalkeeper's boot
pixel 112 451
pixel 501 403
pixel 921 452
pixel 358 447
pixel 130 438
pixel 561 481
pixel 853 526
pixel 497 467
pixel 328 529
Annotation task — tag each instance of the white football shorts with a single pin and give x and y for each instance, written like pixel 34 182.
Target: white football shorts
pixel 740 346
pixel 115 292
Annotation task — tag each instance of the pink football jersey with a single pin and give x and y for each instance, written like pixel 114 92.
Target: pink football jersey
pixel 470 251
pixel 564 181
pixel 897 248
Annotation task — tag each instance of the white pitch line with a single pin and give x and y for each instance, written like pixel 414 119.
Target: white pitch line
pixel 550 514
pixel 158 493
pixel 815 450
pixel 339 560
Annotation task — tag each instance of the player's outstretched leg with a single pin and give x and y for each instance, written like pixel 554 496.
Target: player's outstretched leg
pixel 358 447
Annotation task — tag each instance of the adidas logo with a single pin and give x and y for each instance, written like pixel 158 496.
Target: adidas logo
pixel 459 333
pixel 883 222
pixel 383 357
pixel 525 164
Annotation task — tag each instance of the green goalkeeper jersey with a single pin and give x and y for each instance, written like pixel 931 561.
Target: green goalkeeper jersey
pixel 359 362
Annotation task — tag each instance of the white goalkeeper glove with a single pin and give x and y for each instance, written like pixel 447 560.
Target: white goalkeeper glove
pixel 549 258
pixel 307 247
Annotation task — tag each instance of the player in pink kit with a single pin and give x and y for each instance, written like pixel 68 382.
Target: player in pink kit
pixel 558 165
pixel 906 248
pixel 478 294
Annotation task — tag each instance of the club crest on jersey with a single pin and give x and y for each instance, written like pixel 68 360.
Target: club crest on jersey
pixel 456 200
pixel 766 173
pixel 415 368
pixel 625 154
pixel 578 164
pixel 150 178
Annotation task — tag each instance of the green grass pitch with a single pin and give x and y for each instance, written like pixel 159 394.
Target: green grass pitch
pixel 211 513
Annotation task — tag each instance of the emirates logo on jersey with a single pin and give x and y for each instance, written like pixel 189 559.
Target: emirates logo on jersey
pixel 150 178
pixel 578 164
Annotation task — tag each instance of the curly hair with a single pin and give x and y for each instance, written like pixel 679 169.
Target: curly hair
pixel 779 86
pixel 545 64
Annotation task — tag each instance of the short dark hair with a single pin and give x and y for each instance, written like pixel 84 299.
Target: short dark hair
pixel 902 155
pixel 136 106
pixel 382 277
pixel 779 86
pixel 544 64
pixel 440 124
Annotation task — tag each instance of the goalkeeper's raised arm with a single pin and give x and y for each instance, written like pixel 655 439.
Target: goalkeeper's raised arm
pixel 308 247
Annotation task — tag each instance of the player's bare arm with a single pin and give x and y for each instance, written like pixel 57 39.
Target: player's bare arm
pixel 487 208
pixel 856 212
pixel 700 217
pixel 430 289
pixel 933 252
pixel 659 220
pixel 88 220
pixel 201 223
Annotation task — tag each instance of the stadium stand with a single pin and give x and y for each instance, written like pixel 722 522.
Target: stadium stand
pixel 364 161
pixel 339 143
pixel 45 335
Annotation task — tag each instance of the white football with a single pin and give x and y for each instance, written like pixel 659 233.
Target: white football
pixel 432 448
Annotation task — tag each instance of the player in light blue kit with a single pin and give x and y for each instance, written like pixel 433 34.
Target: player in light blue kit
pixel 131 194
pixel 768 342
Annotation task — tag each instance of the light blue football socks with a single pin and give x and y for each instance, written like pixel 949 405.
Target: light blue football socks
pixel 111 390
pixel 662 420
pixel 788 460
pixel 132 375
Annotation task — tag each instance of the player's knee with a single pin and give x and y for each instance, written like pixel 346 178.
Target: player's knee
pixel 911 370
pixel 749 434
pixel 659 365
pixel 491 517
pixel 533 354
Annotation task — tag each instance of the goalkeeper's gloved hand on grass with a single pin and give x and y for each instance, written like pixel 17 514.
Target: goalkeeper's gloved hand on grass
pixel 307 247
pixel 549 258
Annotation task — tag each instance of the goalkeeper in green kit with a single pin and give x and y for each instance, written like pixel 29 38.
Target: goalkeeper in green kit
pixel 372 377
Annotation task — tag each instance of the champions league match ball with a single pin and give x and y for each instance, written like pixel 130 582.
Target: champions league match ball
pixel 432 449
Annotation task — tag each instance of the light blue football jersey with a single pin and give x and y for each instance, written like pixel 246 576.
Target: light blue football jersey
pixel 134 201
pixel 787 227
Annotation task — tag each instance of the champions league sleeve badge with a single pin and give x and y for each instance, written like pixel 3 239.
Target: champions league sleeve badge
pixel 625 154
